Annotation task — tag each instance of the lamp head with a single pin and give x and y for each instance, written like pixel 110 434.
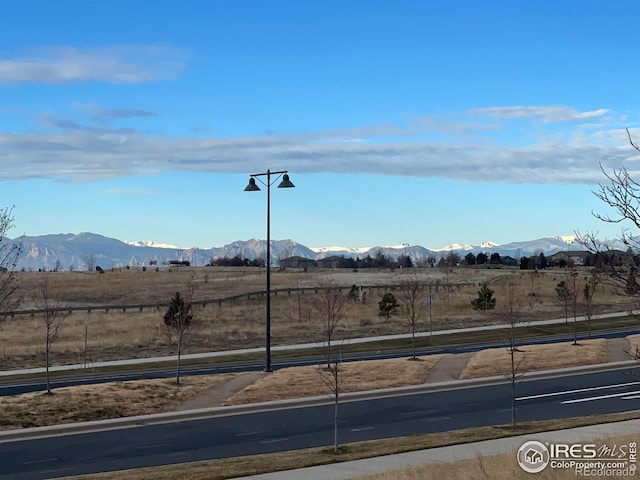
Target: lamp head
pixel 286 183
pixel 252 187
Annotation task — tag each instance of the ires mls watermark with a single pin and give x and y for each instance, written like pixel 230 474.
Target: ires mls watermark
pixel 584 459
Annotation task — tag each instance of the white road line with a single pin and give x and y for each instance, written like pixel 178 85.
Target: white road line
pixel 144 447
pixel 40 461
pixel 57 470
pixel 249 433
pixel 275 440
pixel 414 412
pixel 579 390
pixel 175 454
pixel 601 397
pixel 633 397
pixel 437 419
pixel 360 429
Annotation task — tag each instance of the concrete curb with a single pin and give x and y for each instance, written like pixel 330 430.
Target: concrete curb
pixel 198 414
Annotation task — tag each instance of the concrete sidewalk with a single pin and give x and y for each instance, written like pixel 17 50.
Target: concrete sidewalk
pixel 356 468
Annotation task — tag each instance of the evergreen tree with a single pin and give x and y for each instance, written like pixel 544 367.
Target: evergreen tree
pixel 481 258
pixel 388 305
pixel 485 300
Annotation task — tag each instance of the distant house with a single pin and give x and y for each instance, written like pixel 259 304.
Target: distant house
pixel 575 257
pixel 333 261
pixel 179 263
pixel 509 261
pixel 297 262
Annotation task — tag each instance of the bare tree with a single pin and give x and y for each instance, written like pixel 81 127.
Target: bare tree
pixel 574 303
pixel 89 261
pixel 413 297
pixel 563 297
pixel 588 293
pixel 331 304
pixel 52 316
pixel 10 251
pixel 178 320
pixel 621 192
pixel 333 378
pixel 510 313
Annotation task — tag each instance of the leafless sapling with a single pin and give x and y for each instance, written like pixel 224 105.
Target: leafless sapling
pixel 331 303
pixel 10 251
pixel 413 297
pixel 52 316
pixel 510 313
pixel 333 377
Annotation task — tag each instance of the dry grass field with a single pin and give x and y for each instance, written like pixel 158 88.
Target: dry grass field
pixel 116 333
pixel 354 377
pixel 101 401
pixel 531 358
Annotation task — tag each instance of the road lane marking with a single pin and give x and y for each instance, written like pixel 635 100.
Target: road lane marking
pixel 438 419
pixel 249 433
pixel 412 413
pixel 144 447
pixel 175 454
pixel 275 440
pixel 579 390
pixel 44 460
pixel 601 397
pixel 633 397
pixel 360 429
pixel 57 470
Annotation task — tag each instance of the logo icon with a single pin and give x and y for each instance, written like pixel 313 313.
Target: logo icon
pixel 533 456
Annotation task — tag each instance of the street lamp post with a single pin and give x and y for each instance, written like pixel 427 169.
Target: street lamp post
pixel 253 187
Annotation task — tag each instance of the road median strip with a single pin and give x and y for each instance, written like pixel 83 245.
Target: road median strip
pixel 211 412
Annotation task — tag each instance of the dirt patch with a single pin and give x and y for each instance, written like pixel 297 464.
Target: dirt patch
pixel 497 361
pixel 216 395
pixel 311 381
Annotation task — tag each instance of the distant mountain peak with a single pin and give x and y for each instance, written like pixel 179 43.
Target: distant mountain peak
pixel 453 246
pixel 566 238
pixel 151 243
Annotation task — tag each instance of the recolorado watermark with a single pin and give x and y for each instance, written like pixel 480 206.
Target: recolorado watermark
pixel 584 459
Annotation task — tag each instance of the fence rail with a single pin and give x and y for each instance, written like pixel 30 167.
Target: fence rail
pixel 218 301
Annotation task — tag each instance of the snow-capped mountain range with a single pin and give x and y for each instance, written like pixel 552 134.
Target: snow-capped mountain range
pixel 65 251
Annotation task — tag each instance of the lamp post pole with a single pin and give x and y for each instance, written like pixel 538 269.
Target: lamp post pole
pixel 252 187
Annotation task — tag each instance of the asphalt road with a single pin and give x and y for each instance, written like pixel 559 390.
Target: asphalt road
pixel 289 429
pixel 15 387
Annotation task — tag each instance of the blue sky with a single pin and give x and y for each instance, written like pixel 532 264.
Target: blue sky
pixel 417 122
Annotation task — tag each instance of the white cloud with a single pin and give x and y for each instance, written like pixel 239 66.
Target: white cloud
pixel 115 64
pixel 76 152
pixel 549 114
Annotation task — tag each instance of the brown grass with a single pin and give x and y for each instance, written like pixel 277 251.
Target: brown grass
pixel 634 346
pixel 495 467
pixel 117 334
pixel 296 382
pixel 497 361
pixel 101 401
